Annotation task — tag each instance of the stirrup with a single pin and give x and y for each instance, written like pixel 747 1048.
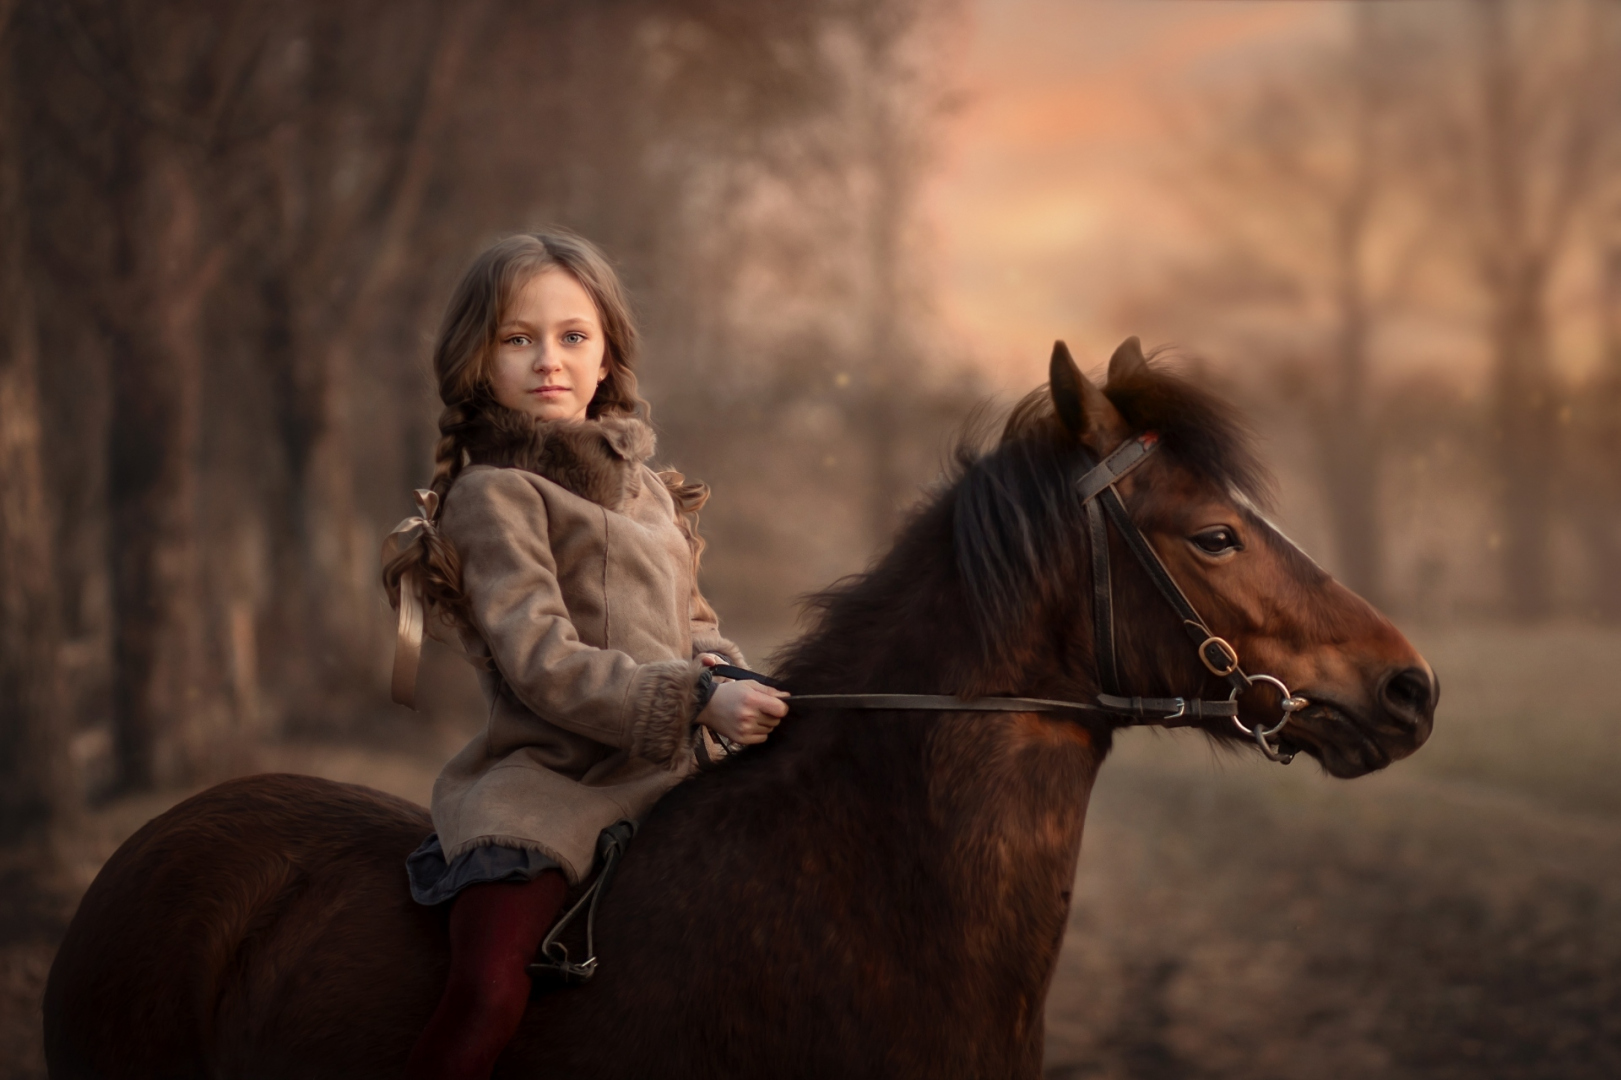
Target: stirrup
pixel 553 970
pixel 557 971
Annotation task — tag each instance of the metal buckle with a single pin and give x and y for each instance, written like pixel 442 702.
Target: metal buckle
pixel 1260 733
pixel 557 968
pixel 1181 710
pixel 1227 652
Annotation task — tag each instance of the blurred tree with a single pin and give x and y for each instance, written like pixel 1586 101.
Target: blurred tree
pixel 1514 161
pixel 246 221
pixel 1595 458
pixel 1297 181
pixel 1445 150
pixel 345 175
pixel 892 104
pixel 36 788
pixel 1349 448
pixel 174 82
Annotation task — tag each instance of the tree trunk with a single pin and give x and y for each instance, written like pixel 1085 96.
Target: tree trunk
pixel 1515 269
pixel 1596 471
pixel 890 154
pixel 1350 452
pixel 35 782
pixel 333 564
pixel 1525 433
pixel 161 696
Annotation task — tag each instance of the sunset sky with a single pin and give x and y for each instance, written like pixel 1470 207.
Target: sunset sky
pixel 1049 187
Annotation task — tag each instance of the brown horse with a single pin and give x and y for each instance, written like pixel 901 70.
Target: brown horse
pixel 869 894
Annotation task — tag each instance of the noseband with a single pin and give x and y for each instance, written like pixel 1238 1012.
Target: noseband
pixel 1102 498
pixel 1103 505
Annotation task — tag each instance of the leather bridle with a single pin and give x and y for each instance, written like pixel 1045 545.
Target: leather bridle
pixel 1102 498
pixel 1104 506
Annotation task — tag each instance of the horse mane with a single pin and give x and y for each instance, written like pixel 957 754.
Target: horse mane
pixel 1017 530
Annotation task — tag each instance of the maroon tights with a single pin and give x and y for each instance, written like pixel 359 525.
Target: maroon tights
pixel 495 928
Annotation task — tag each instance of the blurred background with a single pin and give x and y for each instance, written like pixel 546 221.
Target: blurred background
pixel 1390 230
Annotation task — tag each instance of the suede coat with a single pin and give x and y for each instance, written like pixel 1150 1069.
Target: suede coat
pixel 581 577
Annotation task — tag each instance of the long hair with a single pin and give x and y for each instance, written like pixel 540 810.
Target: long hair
pixel 462 358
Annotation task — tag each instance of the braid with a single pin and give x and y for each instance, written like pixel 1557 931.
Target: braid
pixel 447 453
pixel 437 565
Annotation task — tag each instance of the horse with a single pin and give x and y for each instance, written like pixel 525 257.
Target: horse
pixel 873 892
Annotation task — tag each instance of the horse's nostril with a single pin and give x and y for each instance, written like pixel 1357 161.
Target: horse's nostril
pixel 1409 695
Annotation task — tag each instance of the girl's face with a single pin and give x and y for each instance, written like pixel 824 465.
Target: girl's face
pixel 549 349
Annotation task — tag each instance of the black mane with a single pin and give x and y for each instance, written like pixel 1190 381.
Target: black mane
pixel 1014 522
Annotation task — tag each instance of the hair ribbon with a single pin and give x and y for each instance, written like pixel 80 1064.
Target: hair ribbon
pixel 408 637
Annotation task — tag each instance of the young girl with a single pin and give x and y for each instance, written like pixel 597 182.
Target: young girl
pixel 569 568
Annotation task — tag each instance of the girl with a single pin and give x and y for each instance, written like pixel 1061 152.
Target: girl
pixel 570 570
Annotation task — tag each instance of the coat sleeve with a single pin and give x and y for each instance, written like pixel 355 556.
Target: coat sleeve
pixel 498 524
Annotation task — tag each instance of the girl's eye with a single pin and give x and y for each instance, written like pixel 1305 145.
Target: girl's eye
pixel 573 337
pixel 1218 540
pixel 518 339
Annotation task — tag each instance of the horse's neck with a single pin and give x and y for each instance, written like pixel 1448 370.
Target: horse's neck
pixel 1003 788
pixel 933 852
pixel 1009 794
pixel 965 828
pixel 937 852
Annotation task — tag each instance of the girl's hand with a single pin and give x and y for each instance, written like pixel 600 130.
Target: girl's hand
pixel 745 712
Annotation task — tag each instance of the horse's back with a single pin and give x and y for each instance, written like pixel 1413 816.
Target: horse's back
pixel 258 927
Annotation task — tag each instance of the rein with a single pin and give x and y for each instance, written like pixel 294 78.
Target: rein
pixel 1103 507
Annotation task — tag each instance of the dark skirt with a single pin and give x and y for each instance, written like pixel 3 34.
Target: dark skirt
pixel 434 881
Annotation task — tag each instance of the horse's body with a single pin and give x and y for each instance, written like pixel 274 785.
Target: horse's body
pixel 864 895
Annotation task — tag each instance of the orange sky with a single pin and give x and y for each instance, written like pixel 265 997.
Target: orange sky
pixel 1045 192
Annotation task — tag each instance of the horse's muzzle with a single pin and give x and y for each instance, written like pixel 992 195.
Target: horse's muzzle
pixel 1408 696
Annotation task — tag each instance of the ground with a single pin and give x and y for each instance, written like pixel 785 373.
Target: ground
pixel 1456 916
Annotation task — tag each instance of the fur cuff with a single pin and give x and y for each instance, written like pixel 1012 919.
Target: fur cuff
pixel 664 705
pixel 714 643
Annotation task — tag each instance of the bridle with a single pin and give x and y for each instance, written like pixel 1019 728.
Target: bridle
pixel 1101 497
pixel 1104 506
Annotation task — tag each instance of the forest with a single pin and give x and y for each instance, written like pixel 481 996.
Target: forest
pixel 228 230
pixel 229 233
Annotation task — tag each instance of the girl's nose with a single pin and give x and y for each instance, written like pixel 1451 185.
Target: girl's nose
pixel 545 360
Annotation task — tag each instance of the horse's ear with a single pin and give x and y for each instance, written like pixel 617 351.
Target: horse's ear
pixel 1068 387
pixel 1127 361
pixel 1085 411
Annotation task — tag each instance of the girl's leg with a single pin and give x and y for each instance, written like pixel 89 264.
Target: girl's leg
pixel 495 928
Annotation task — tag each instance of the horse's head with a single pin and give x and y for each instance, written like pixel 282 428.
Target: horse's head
pixel 1371 695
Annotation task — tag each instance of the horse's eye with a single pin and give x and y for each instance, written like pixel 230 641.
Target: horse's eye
pixel 1216 541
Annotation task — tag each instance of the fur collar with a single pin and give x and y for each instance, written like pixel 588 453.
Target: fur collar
pixel 600 460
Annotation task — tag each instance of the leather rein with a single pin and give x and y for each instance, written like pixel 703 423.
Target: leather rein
pixel 1103 507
